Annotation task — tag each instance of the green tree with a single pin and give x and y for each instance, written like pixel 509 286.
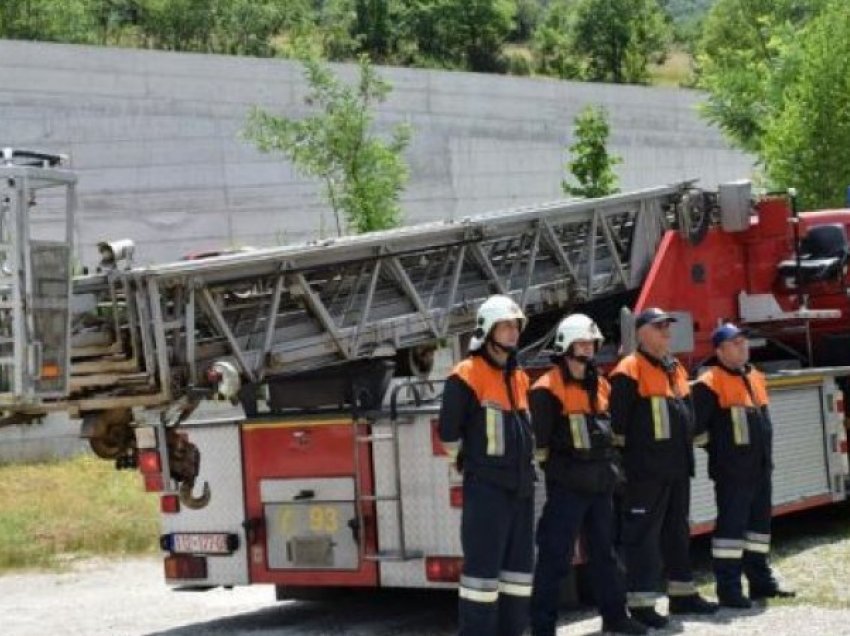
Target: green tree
pixel 476 30
pixel 246 27
pixel 363 175
pixel 178 25
pixel 746 55
pixel 462 34
pixel 51 20
pixel 528 16
pixel 591 165
pixel 553 42
pixel 617 39
pixel 806 138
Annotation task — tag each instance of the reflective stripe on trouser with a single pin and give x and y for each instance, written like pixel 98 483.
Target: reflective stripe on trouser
pixel 727 548
pixel 757 542
pixel 479 590
pixel 564 514
pixel 655 531
pixel 641 599
pixel 497 537
pixel 681 588
pixel 743 526
pixel 515 583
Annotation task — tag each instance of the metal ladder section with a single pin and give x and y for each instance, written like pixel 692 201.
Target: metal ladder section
pixel 402 553
pixel 35 277
pixel 278 311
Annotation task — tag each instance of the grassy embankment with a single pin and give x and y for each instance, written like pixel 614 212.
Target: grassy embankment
pixel 810 552
pixel 53 512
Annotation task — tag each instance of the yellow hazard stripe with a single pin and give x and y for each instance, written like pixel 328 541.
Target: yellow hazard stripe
pixel 779 383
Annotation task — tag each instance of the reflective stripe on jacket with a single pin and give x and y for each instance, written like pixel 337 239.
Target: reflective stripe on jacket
pixel 651 413
pixel 574 431
pixel 736 420
pixel 497 442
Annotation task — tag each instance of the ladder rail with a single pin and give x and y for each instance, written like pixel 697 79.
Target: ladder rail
pixel 286 310
pixel 403 553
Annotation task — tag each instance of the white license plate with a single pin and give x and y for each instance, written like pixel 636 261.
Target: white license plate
pixel 200 543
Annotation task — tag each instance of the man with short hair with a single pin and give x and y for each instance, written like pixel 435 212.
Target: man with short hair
pixel 652 418
pixel 732 418
pixel 484 419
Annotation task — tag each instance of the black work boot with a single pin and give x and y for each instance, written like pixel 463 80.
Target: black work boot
pixel 691 604
pixel 649 617
pixel 776 590
pixel 735 601
pixel 622 625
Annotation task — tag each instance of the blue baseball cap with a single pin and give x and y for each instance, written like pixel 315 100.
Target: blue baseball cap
pixel 726 331
pixel 653 316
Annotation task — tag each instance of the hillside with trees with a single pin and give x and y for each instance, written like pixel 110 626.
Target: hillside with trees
pixel 595 40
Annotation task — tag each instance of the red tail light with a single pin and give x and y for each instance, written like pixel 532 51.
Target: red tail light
pixel 456 496
pixel 185 566
pixel 839 405
pixel 169 504
pixel 443 569
pixel 153 483
pixel 149 462
pixel 842 446
pixel 151 469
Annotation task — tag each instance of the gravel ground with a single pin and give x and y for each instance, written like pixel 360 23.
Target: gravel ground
pixel 128 597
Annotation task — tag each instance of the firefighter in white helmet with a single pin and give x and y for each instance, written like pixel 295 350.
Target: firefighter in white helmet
pixel 485 416
pixel 569 407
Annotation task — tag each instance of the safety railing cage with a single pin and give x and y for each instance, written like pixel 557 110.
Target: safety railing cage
pixel 37 204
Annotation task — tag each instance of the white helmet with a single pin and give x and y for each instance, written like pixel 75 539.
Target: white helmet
pixel 576 327
pixel 495 309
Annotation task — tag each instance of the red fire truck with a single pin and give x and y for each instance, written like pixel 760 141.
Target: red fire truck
pixel 282 401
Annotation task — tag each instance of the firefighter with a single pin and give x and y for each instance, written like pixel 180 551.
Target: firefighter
pixel 652 417
pixel 484 416
pixel 569 409
pixel 730 401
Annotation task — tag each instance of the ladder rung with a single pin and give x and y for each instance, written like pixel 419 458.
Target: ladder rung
pixel 378 497
pixel 376 437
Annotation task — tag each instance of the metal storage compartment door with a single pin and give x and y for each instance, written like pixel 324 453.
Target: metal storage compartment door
pixel 799 451
pixel 310 523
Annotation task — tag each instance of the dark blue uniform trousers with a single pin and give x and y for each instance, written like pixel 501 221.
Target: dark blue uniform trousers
pixel 564 515
pixel 741 539
pixel 497 534
pixel 656 539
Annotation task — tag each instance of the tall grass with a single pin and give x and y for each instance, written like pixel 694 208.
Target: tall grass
pixel 79 507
